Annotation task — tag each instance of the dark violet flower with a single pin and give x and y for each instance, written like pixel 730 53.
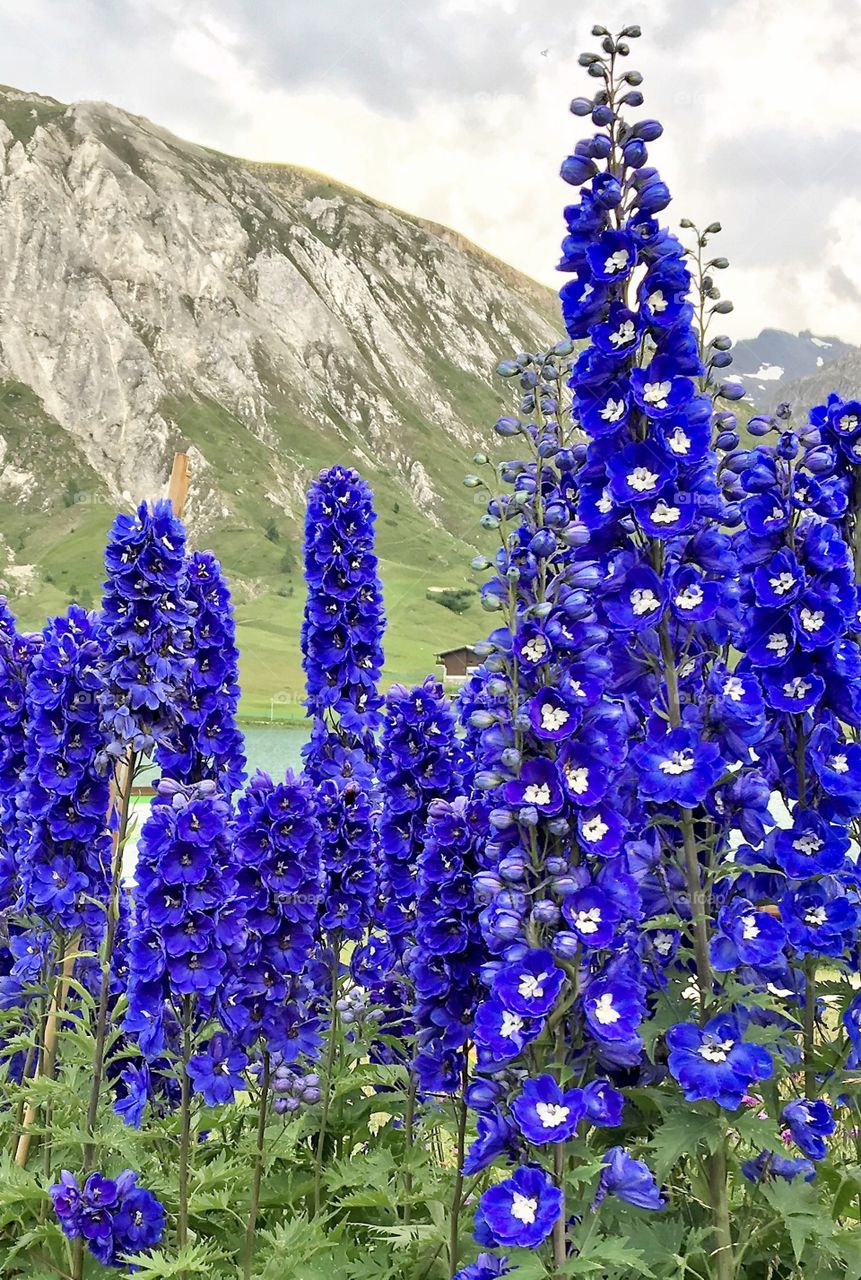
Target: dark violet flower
pixel 604 1104
pixel 485 1267
pixel 547 1113
pixel 714 1062
pixel 116 1218
pixel 630 1180
pixel 521 1210
pixel 537 787
pixel 217 1072
pixel 810 1123
pixel 769 1164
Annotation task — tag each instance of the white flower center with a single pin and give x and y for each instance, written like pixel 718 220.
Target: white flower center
pixel 553 718
pixel 617 261
pixel 663 943
pixel 595 829
pixel 512 1024
pixel 812 619
pixel 625 334
pixel 750 929
pixel 578 779
pixel 604 503
pixel 588 921
pixel 576 689
pixel 848 422
pixel 839 764
pixel 778 642
pixel 613 410
pixel 532 987
pixel 535 649
pixel 815 917
pixel 537 793
pixel 808 844
pixel 716 1050
pixel 734 689
pixel 678 762
pixel 776 514
pixel 657 302
pixel 691 597
pixel 551 1114
pixel 782 583
pixel 604 1011
pixel 643 600
pixel 656 393
pixel 642 479
pixel 523 1208
pixel 797 687
pixel 679 442
pixel 664 514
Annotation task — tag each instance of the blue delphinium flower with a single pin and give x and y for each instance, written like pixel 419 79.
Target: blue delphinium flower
pixel 205 741
pixel 522 1209
pixel 770 1164
pixel 810 1123
pixel 186 921
pixel 347 835
pixel 146 621
pixel 113 1216
pixel 65 853
pixel 485 1267
pixel 547 1113
pixel 447 954
pixel 715 1062
pixel 216 1073
pixel 630 1180
pixel 267 998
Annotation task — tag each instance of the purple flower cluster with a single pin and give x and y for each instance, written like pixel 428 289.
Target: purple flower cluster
pixel 267 999
pixel 65 850
pixel 146 621
pixel 343 622
pixel 205 741
pixel 17 653
pixel 187 918
pixel 115 1218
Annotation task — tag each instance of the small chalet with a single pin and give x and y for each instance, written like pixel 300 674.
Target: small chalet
pixel 458 663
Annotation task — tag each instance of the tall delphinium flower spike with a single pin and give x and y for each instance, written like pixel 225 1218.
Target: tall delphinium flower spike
pixel 799 643
pixel 65 856
pixel 832 439
pixel 147 620
pixel 205 740
pixel 342 652
pixel 343 622
pixel 17 652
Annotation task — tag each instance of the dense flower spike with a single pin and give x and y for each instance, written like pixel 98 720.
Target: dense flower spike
pixel 266 999
pixel 206 742
pixel 146 620
pixel 448 952
pixel 65 853
pixel 343 622
pixel 17 653
pixel 187 920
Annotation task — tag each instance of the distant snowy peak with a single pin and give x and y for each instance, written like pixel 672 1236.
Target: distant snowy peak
pixel 765 365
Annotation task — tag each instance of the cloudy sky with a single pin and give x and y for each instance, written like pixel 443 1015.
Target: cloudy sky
pixel 457 110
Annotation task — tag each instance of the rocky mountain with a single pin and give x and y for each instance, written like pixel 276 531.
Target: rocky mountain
pixel 155 293
pixel 774 360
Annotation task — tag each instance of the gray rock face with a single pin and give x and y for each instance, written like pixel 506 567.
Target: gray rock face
pixel 140 273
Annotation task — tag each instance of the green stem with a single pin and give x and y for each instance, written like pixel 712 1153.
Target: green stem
pixel 124 800
pixel 717 1174
pixel 331 1052
pixel 251 1229
pixel 409 1138
pixel 457 1193
pixel 185 1126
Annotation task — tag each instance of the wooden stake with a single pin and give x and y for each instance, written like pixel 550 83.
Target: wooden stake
pixel 180 478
